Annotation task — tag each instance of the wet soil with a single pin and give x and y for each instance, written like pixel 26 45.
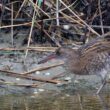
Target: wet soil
pixel 13 61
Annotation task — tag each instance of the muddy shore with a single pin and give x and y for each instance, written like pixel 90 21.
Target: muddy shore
pixel 13 61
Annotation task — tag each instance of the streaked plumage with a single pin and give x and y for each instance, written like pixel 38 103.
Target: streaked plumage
pixel 92 58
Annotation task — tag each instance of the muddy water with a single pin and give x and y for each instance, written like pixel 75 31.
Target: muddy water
pixel 55 101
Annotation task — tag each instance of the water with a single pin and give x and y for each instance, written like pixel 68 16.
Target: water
pixel 55 101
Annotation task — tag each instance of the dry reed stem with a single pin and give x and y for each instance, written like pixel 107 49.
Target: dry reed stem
pixel 12 41
pixel 42 49
pixel 16 84
pixel 6 7
pixel 20 8
pixel 15 25
pixel 35 6
pixel 68 6
pixel 43 68
pixel 30 34
pixel 100 13
pixel 14 74
pixel 79 18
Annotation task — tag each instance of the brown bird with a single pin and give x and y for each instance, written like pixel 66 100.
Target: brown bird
pixel 92 58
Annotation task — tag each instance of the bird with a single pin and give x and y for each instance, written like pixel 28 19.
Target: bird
pixel 93 58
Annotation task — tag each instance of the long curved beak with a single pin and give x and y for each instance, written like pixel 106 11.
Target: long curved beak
pixel 51 56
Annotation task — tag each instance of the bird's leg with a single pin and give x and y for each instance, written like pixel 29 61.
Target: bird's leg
pixel 101 87
pixel 103 80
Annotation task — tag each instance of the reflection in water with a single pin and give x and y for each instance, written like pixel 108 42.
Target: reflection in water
pixel 48 101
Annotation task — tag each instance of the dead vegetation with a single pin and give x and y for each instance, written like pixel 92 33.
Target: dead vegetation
pixel 56 22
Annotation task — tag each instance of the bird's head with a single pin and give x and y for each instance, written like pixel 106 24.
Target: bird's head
pixel 60 53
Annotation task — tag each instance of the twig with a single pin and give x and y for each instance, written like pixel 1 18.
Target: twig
pixel 99 26
pixel 42 49
pixel 29 39
pixel 38 26
pixel 68 6
pixel 57 12
pixel 5 7
pixel 42 68
pixel 12 24
pixel 20 8
pixel 16 84
pixel 35 6
pixel 101 20
pixel 15 25
pixel 79 18
pixel 14 74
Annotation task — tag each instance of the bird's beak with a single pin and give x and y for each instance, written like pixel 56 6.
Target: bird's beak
pixel 51 56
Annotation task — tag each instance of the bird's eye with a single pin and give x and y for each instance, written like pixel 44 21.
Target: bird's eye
pixel 58 53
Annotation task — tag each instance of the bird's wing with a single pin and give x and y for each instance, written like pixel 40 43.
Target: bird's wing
pixel 93 53
pixel 98 45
